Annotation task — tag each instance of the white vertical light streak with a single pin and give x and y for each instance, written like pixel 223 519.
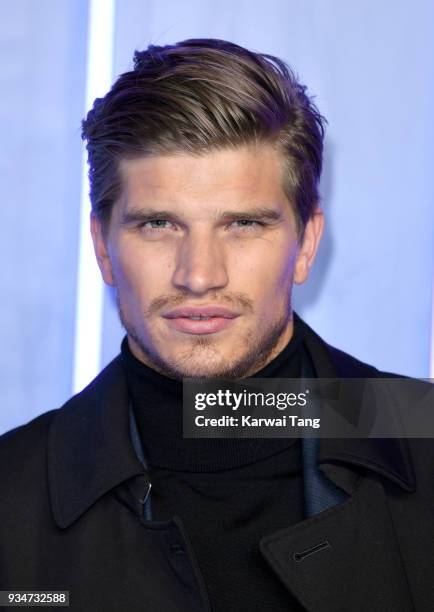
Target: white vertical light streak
pixel 90 288
pixel 431 365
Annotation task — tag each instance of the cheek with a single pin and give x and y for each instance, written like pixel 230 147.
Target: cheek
pixel 287 267
pixel 139 277
pixel 128 272
pixel 266 270
pixel 284 262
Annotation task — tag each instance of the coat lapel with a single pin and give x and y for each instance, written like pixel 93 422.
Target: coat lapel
pixel 345 558
pixel 89 446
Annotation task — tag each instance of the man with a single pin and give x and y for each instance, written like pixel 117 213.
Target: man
pixel 204 168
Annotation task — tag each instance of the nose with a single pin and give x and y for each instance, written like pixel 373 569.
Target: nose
pixel 201 264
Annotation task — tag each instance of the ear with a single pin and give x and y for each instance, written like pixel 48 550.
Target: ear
pixel 309 246
pixel 101 251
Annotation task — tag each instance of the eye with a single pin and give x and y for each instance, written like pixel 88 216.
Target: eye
pixel 156 224
pixel 246 224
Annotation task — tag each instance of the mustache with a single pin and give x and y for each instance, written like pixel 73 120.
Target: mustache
pixel 184 298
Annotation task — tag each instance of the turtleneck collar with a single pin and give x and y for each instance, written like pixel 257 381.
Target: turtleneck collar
pixel 157 403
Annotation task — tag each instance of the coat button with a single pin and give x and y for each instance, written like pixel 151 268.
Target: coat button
pixel 177 549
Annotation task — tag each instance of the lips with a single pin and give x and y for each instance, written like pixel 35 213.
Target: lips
pixel 203 311
pixel 200 320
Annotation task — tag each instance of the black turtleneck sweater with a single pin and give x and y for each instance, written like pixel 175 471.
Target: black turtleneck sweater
pixel 228 493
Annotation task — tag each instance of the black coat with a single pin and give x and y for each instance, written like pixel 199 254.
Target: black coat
pixel 71 516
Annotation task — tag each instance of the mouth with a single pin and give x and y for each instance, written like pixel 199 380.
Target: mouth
pixel 201 320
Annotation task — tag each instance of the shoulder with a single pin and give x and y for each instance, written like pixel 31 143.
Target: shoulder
pixel 331 362
pixel 23 473
pixel 23 449
pixel 349 366
pixel 409 394
pixel 21 446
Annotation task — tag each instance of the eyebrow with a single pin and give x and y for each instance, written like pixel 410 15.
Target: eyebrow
pixel 141 215
pixel 261 213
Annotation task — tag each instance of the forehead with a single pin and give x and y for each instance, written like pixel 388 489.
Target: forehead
pixel 222 177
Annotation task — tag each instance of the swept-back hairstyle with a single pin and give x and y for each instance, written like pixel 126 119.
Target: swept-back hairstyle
pixel 201 95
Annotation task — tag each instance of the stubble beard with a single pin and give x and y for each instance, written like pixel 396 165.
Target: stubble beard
pixel 258 352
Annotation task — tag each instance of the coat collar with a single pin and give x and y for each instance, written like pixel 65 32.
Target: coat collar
pixel 90 450
pixel 388 457
pixel 89 446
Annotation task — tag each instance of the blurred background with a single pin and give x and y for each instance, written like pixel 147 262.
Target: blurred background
pixel 370 65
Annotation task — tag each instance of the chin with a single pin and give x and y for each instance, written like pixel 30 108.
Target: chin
pixel 201 366
pixel 232 368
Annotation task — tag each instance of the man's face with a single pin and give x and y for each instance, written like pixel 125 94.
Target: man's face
pixel 203 252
